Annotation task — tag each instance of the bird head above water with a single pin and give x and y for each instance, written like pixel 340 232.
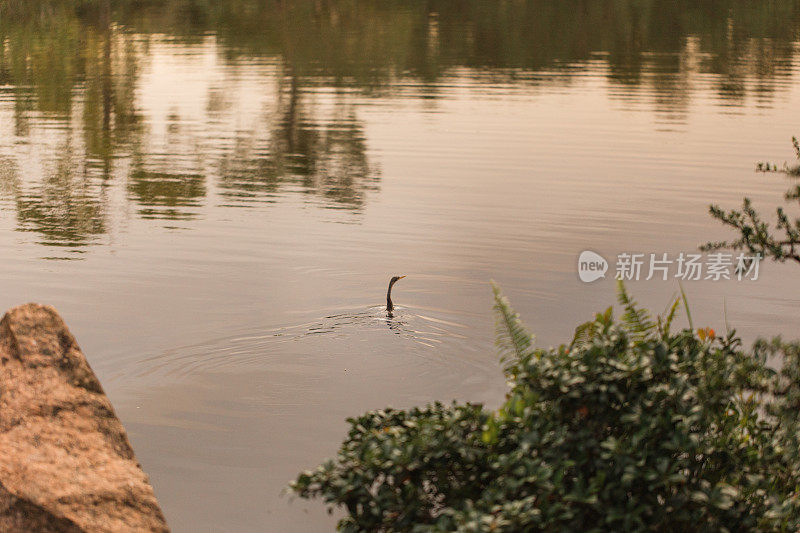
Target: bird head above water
pixel 389 304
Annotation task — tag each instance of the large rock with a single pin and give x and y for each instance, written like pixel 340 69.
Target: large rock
pixel 65 460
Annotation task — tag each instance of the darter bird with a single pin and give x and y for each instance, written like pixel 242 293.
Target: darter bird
pixel 389 304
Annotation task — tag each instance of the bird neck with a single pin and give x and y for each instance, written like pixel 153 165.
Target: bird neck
pixel 389 304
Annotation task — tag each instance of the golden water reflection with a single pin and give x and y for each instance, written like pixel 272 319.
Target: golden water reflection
pixel 262 97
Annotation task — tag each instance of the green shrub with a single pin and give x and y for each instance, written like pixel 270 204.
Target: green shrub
pixel 629 427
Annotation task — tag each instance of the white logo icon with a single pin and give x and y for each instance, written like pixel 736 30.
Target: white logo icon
pixel 591 266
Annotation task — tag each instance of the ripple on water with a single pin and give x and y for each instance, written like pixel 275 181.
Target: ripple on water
pixel 406 337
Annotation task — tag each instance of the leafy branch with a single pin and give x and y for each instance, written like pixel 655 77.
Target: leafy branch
pixel 756 235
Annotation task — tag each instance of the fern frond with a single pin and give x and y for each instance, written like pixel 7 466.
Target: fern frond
pixel 666 323
pixel 686 306
pixel 637 321
pixel 583 334
pixel 587 331
pixel 513 340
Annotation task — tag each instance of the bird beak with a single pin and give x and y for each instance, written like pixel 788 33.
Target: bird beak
pixel 401 277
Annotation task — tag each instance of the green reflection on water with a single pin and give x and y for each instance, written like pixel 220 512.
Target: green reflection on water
pixel 72 69
pixel 66 209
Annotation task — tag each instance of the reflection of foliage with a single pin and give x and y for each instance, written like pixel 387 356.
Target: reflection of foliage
pixel 163 195
pixel 78 62
pixel 9 183
pixel 55 47
pixel 365 43
pixel 342 171
pixel 630 427
pixel 326 158
pixel 734 38
pixel 51 52
pixel 110 120
pixel 43 55
pixel 67 209
pixel 755 234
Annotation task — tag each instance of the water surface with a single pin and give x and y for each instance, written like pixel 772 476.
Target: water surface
pixel 215 197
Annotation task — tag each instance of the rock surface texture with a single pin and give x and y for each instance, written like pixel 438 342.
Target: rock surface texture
pixel 65 460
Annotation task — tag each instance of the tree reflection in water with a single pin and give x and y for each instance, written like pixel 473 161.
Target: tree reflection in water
pixel 323 156
pixel 73 123
pixel 68 207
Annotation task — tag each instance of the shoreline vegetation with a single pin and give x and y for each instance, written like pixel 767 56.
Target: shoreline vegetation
pixel 781 241
pixel 629 426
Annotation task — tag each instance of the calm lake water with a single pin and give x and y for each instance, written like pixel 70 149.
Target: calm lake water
pixel 215 197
